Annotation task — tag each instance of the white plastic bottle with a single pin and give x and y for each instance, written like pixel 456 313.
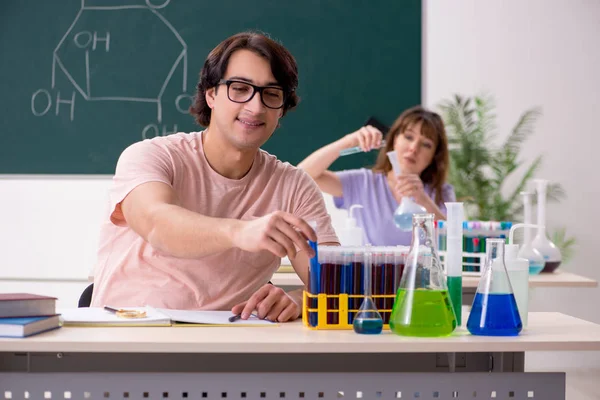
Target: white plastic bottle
pixel 351 234
pixel 518 273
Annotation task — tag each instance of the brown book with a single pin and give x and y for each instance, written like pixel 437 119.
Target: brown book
pixel 26 305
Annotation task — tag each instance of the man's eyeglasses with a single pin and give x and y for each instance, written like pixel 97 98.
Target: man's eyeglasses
pixel 242 92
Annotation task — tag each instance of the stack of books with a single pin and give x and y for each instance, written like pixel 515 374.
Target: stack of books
pixel 24 314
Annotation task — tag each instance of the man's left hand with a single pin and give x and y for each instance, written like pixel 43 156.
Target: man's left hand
pixel 271 303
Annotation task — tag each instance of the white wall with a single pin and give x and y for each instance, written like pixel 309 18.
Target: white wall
pixel 50 226
pixel 533 53
pixel 49 233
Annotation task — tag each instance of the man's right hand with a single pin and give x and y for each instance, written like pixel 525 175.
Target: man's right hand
pixel 278 233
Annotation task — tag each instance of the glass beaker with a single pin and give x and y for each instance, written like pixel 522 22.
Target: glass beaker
pixel 368 319
pixel 407 208
pixel 494 311
pixel 423 307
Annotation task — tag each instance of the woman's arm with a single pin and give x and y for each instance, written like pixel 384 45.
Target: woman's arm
pixel 317 163
pixel 447 196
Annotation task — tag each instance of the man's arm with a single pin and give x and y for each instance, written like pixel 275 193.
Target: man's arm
pixel 153 211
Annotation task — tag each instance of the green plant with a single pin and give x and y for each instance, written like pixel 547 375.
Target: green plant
pixel 479 167
pixel 565 244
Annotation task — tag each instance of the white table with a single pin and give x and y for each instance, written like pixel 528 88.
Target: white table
pixel 286 361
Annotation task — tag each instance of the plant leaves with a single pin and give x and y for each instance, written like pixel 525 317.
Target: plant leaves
pixel 478 169
pixel 565 244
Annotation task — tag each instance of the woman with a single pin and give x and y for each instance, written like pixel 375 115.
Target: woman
pixel 419 139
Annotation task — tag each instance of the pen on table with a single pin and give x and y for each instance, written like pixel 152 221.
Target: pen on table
pixel 235 317
pixel 126 313
pixel 113 310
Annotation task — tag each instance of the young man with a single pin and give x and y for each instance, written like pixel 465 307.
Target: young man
pixel 201 220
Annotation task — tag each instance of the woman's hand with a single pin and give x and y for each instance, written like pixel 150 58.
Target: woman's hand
pixel 410 185
pixel 367 138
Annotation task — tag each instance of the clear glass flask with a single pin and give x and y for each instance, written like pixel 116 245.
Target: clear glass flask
pixel 494 311
pixel 407 208
pixel 541 242
pixel 527 251
pixel 423 307
pixel 368 319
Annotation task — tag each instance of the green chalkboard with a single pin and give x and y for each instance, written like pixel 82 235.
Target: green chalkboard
pixel 83 79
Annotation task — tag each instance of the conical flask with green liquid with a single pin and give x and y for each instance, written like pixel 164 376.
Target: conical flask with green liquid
pixel 423 307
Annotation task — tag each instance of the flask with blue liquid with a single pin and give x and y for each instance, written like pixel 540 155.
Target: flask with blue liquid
pixel 407 208
pixel 368 320
pixel 494 311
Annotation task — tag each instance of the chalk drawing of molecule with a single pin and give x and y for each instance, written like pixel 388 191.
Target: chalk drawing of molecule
pixel 95 55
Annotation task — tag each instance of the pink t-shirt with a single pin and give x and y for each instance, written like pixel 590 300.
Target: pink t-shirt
pixel 130 272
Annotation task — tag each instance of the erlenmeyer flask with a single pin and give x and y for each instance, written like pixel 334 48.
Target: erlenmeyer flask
pixel 404 213
pixel 368 320
pixel 494 311
pixel 423 307
pixel 407 208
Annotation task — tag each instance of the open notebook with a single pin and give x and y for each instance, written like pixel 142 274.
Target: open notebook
pixel 97 316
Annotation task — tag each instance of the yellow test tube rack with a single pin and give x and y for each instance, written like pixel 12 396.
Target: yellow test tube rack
pixel 323 310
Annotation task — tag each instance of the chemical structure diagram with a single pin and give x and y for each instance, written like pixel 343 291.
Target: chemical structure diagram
pixel 83 55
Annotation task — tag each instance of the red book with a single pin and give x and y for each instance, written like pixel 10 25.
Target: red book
pixel 26 305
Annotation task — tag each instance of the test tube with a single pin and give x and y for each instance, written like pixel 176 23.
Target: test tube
pixel 314 279
pixel 356 149
pixel 335 284
pixel 358 277
pixel 347 276
pixel 377 278
pixel 388 283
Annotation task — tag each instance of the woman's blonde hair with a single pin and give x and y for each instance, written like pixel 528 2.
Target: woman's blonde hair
pixel 432 127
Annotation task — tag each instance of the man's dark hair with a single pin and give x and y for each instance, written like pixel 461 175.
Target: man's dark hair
pixel 283 67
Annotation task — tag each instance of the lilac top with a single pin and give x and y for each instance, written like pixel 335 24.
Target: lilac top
pixel 371 190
